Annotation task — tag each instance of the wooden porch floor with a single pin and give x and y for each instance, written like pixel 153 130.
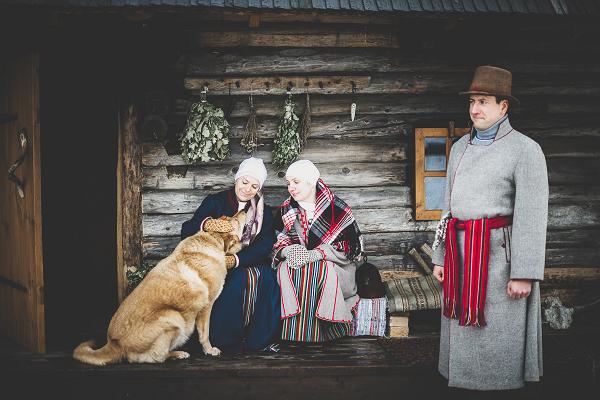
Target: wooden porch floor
pixel 353 368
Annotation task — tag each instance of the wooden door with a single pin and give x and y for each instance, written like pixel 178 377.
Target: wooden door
pixel 21 269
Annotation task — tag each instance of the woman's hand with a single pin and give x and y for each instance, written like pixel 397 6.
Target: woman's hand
pixel 220 225
pixel 297 255
pixel 518 288
pixel 438 273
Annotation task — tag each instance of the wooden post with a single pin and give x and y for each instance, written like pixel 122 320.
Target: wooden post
pixel 129 197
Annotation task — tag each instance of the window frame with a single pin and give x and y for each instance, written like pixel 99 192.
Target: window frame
pixel 422 214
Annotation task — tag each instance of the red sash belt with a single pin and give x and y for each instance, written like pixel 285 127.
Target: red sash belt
pixel 476 259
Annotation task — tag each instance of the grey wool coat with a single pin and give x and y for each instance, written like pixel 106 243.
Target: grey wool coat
pixel 506 177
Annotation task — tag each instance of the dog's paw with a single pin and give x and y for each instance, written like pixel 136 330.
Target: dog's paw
pixel 213 351
pixel 179 355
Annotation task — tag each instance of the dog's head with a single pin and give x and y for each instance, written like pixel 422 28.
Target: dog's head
pixel 232 239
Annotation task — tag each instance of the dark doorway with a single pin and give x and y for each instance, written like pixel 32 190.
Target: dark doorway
pixel 79 130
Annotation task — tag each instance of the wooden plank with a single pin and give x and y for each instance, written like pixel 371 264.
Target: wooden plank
pixel 570 216
pixel 369 220
pixel 324 126
pixel 569 171
pixel 219 176
pixel 340 105
pixel 186 201
pixel 295 38
pixel 22 310
pixel 573 238
pixel 584 257
pixel 571 276
pixel 319 151
pixel 573 194
pixel 351 60
pixel 575 147
pixel 273 85
pixel 388 83
pixel 377 245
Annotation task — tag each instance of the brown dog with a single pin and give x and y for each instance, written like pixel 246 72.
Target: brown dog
pixel 178 293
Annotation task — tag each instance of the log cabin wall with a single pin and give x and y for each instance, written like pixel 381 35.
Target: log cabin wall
pixel 410 71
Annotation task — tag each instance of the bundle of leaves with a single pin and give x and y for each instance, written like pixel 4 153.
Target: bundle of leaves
pixel 287 142
pixel 250 140
pixel 206 134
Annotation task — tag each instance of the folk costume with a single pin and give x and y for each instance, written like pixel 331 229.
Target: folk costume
pixel 245 316
pixel 318 293
pixel 497 196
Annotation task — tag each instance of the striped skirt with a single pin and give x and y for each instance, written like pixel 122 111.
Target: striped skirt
pixel 305 326
pixel 246 315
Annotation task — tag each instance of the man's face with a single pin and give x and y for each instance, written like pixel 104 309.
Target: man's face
pixel 485 112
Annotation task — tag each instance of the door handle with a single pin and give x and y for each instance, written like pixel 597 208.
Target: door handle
pixel 22 136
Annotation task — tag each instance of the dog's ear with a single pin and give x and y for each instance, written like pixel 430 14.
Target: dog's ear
pixel 231 242
pixel 240 216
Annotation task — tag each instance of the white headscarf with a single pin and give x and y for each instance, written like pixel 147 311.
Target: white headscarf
pixel 252 167
pixel 305 170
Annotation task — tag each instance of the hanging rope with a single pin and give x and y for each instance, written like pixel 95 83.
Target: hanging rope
pixel 305 122
pixel 250 139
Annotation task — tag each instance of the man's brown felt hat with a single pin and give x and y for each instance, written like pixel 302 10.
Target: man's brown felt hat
pixel 492 81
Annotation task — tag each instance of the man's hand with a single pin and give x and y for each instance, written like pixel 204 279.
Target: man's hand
pixel 217 225
pixel 438 273
pixel 518 288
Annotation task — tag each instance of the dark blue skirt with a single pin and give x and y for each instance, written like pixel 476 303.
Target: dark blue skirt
pixel 246 315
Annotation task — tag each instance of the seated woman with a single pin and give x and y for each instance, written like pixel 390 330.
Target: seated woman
pixel 314 255
pixel 246 314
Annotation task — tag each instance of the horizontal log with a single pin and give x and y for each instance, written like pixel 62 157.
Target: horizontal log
pixel 186 201
pixel 568 194
pixel 306 60
pixel 570 147
pixel 387 104
pixel 553 277
pixel 571 216
pixel 369 220
pixel 584 257
pixel 319 151
pixel 388 83
pixel 296 38
pixel 377 245
pixel 327 126
pixel 219 176
pixel 273 85
pixel 571 239
pixel 340 104
pixel 398 219
pixel 571 296
pixel 571 276
pixel 573 171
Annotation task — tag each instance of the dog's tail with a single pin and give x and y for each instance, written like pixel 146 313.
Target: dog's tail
pixel 109 354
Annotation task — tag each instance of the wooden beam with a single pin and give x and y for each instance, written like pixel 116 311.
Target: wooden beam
pixel 129 208
pixel 297 38
pixel 277 84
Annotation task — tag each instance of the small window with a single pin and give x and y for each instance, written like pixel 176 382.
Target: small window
pixel 432 147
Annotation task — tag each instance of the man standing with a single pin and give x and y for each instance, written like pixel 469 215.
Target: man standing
pixel 493 252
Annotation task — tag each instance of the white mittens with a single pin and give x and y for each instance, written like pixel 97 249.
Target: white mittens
pixel 297 255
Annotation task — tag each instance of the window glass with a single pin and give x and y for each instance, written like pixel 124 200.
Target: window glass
pixel 435 154
pixel 434 192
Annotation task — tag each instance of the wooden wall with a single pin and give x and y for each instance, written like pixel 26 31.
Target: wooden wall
pixel 414 69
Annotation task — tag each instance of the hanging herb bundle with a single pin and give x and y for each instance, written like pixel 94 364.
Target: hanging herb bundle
pixel 305 123
pixel 287 141
pixel 250 139
pixel 206 134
